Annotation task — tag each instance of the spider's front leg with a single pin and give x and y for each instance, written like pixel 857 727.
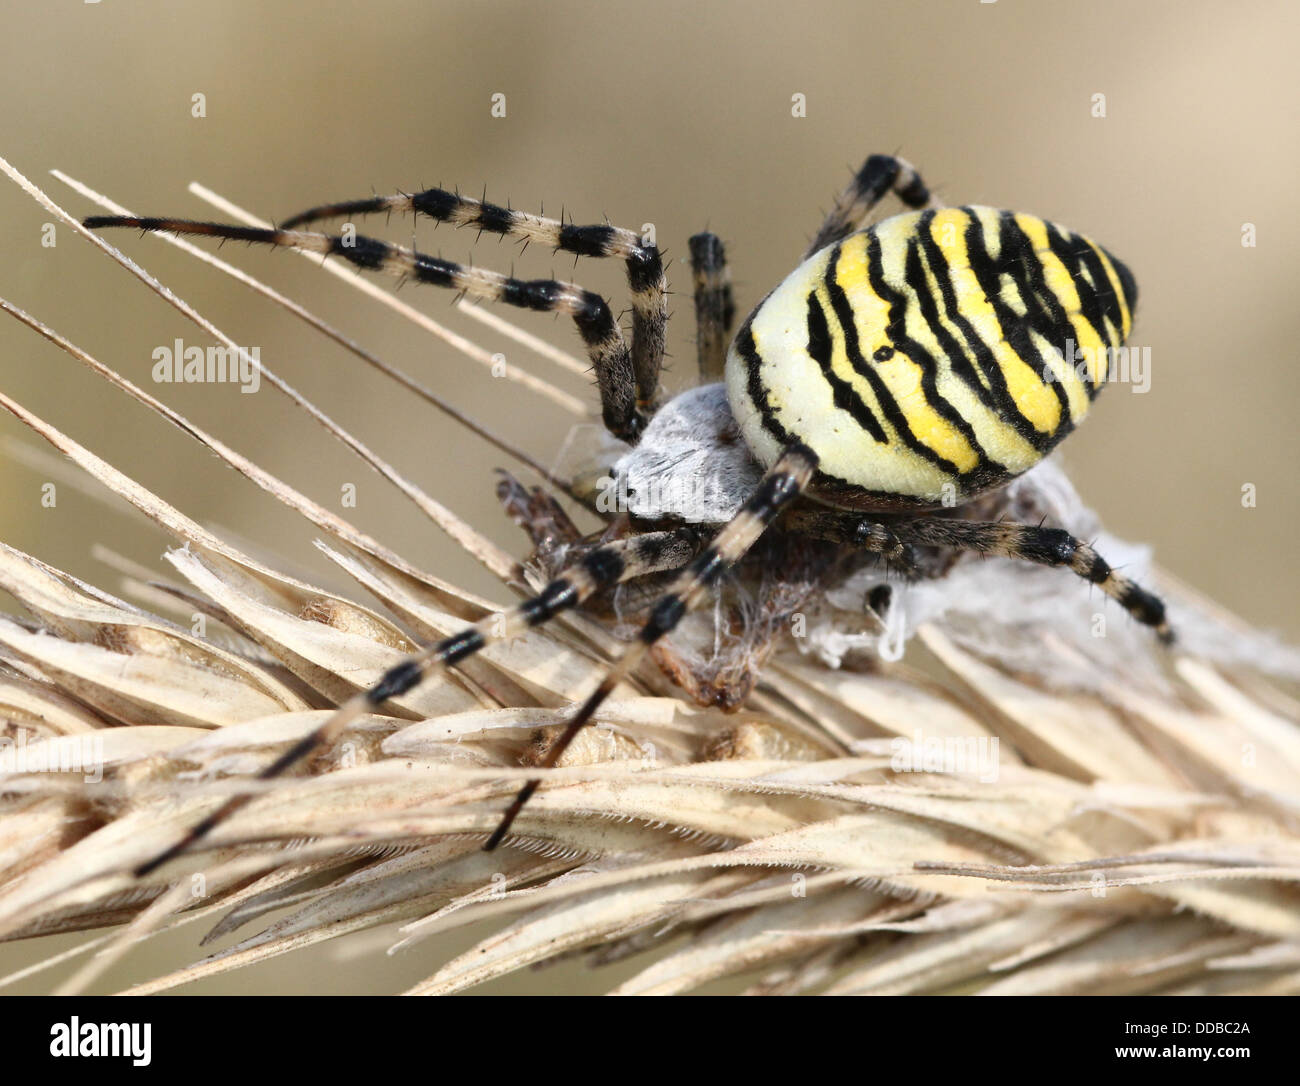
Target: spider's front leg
pixel 601 568
pixel 616 374
pixel 645 269
pixel 780 486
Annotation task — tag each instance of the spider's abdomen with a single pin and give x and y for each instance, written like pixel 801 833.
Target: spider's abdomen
pixel 931 357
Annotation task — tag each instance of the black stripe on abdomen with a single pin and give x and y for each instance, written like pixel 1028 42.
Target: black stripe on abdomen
pixel 821 349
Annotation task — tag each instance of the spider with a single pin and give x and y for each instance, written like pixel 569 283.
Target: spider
pixel 900 373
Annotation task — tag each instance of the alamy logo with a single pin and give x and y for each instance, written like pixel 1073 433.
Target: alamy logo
pixel 1119 365
pixel 694 497
pixel 78 1038
pixel 193 365
pixel 82 754
pixel 976 755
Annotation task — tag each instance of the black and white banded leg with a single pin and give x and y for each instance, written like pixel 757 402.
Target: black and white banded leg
pixel 1045 546
pixel 879 175
pixel 851 529
pixel 653 552
pixel 854 530
pixel 645 269
pixel 608 351
pixel 784 481
pixel 715 309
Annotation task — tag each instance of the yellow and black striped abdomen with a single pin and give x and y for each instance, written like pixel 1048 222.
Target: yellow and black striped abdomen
pixel 931 357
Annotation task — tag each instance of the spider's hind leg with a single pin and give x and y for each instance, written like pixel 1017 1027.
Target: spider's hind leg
pixel 715 309
pixel 859 532
pixel 1046 546
pixel 879 175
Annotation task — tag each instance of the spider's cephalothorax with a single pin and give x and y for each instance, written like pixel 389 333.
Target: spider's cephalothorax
pixel 901 371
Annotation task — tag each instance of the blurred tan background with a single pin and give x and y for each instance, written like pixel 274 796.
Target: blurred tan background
pixel 677 114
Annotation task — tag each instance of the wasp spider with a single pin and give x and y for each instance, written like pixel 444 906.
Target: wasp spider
pixel 901 371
